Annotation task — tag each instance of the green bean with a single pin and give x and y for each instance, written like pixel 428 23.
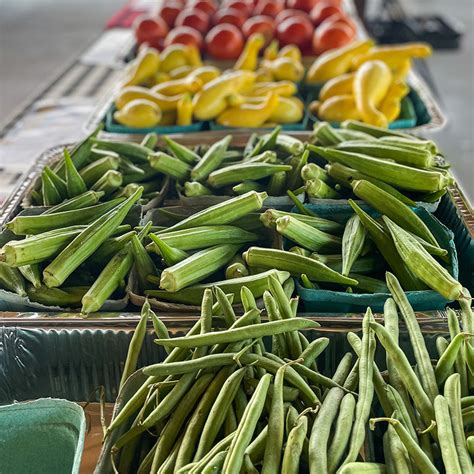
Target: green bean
pixel 342 432
pixel 136 345
pixel 448 358
pixel 279 344
pixel 145 464
pixel 286 311
pixel 222 445
pixel 441 345
pixel 318 441
pixel 240 442
pixel 226 306
pixel 294 446
pixel 470 444
pixel 159 327
pixel 379 383
pixel 398 405
pixel 272 457
pixel 363 468
pixel 398 454
pixel 366 388
pixel 175 422
pixel 198 418
pixel 240 403
pixel 315 348
pixel 445 436
pixel 459 365
pixel 230 422
pixel 215 464
pixel 206 322
pixel 466 401
pixel 343 369
pixel 256 449
pixel 218 412
pixel 249 466
pixel 408 376
pixel 247 298
pixel 168 467
pixel 415 452
pixel 239 334
pixel 422 357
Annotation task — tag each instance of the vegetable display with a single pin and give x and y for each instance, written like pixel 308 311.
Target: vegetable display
pixel 248 394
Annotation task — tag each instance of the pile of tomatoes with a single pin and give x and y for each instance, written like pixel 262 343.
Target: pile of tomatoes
pixel 221 29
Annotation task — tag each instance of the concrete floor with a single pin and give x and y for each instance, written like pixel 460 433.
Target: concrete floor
pixel 37 37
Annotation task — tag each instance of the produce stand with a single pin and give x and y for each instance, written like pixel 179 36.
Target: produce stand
pixel 65 354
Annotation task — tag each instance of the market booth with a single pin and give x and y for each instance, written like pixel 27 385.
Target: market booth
pixel 235 242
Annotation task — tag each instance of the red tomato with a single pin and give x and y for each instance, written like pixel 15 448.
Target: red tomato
pixel 305 5
pixel 269 7
pixel 260 24
pixel 224 42
pixel 229 15
pixel 295 30
pixel 207 6
pixel 149 30
pixel 184 35
pixel 323 10
pixel 243 6
pixel 169 11
pixel 289 13
pixel 339 19
pixel 331 37
pixel 193 18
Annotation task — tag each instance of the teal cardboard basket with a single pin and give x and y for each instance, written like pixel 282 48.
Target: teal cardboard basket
pixel 44 436
pixel 328 301
pixel 113 127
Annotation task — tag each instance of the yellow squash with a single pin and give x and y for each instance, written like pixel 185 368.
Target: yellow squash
pixel 391 104
pixel 288 110
pixel 139 113
pixel 371 84
pixel 336 62
pixel 206 73
pixel 290 51
pixel 263 75
pixel 271 51
pixel 180 72
pixel 164 102
pixel 184 110
pixel 249 115
pixel 194 55
pixel 339 85
pixel 285 69
pixel 394 54
pixel 178 86
pixel 174 56
pixel 400 71
pixel 248 59
pixel 283 88
pixel 210 101
pixel 143 68
pixel 338 108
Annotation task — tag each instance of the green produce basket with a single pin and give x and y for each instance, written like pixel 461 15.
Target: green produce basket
pixel 329 301
pixel 113 127
pixel 44 436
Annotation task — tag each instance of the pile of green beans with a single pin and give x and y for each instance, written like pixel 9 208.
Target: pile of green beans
pixel 250 398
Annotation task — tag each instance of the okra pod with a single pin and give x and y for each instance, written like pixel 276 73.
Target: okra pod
pixel 401 176
pixel 236 268
pixel 373 130
pixel 326 135
pixel 170 255
pixel 93 172
pixel 169 165
pixel 58 183
pixel 196 267
pixel 313 171
pixel 85 244
pixel 195 188
pixel 51 195
pixel 108 183
pixel 295 264
pixel 134 151
pixel 306 236
pixel 352 242
pixel 211 160
pixel 316 188
pixel 11 279
pixel 31 225
pixel 276 185
pixel 89 198
pixel 390 206
pixel 74 182
pixel 269 217
pixel 181 152
pixel 297 163
pixel 369 284
pixel 224 212
pixel 286 143
pixel 62 297
pixel 109 248
pixel 422 264
pixel 412 157
pixel 31 273
pixel 257 284
pixel 144 265
pixel 247 186
pixel 411 142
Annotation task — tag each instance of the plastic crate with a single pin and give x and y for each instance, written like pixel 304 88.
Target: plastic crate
pixel 47 434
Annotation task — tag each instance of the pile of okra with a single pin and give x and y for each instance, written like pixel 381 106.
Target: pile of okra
pixel 81 248
pixel 247 393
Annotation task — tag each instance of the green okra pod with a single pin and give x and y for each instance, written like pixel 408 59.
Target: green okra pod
pixel 89 198
pixel 169 165
pixel 211 160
